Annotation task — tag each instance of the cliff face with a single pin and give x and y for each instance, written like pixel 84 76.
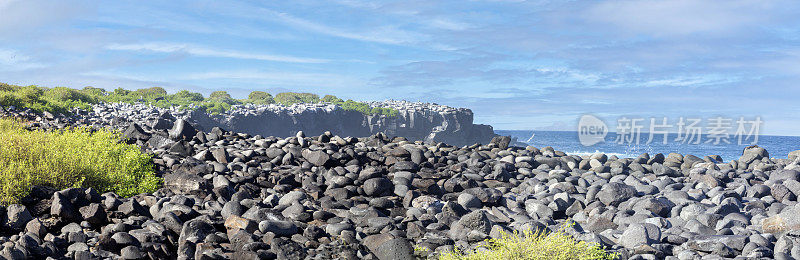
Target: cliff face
pixel 415 121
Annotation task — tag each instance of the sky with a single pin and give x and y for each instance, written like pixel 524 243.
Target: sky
pixel 516 64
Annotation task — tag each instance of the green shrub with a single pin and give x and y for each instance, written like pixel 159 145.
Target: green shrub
pixel 30 93
pixel 149 93
pixel 62 100
pixel 366 109
pixel 70 158
pixel 289 98
pixel 215 108
pixel 68 94
pixel 260 98
pixel 386 111
pixel 351 105
pixel 534 245
pixel 32 97
pixel 8 98
pixel 121 92
pixel 219 95
pixel 332 99
pixel 187 96
pixel 8 87
pixel 94 92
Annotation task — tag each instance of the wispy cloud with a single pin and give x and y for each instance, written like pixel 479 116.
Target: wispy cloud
pixel 386 34
pixel 209 52
pixel 448 24
pixel 684 17
pixel 321 80
pixel 12 60
pixel 21 16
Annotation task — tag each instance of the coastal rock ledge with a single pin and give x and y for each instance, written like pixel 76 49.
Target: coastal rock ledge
pixel 415 121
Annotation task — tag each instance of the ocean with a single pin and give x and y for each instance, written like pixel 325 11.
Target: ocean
pixel 567 141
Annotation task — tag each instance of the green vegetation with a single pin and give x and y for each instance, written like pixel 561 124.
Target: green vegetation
pixel 70 158
pixel 289 98
pixel 534 245
pixel 61 99
pixel 260 98
pixel 332 99
pixel 58 100
pixel 364 108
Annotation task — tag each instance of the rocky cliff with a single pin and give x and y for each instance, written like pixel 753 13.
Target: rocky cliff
pixel 415 121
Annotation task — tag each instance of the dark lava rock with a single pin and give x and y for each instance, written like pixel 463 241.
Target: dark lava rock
pixel 182 130
pixel 389 247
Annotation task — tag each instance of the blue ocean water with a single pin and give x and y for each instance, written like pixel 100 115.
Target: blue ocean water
pixel 567 141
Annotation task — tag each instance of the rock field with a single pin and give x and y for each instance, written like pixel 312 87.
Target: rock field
pixel 230 195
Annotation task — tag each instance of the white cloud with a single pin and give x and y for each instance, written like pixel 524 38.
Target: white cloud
pixel 683 17
pixel 278 77
pixel 12 60
pixel 358 4
pixel 448 24
pixel 20 16
pixel 692 81
pixel 382 34
pixel 208 52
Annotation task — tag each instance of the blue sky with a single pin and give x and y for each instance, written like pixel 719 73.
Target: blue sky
pixel 516 64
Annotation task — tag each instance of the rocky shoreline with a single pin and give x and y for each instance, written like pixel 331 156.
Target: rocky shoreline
pixel 230 195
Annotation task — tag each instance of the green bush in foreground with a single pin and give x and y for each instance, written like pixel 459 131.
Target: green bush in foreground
pixel 70 158
pixel 533 245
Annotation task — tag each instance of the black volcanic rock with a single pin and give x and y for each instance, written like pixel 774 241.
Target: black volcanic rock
pixel 135 132
pixel 416 121
pixel 378 196
pixel 182 130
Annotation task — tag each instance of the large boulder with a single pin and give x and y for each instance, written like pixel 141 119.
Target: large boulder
pixel 135 132
pixel 62 207
pixel 317 158
pixel 220 155
pixel 502 142
pixel 753 153
pixel 17 216
pixel 192 230
pixel 474 221
pixel 182 130
pixel 94 214
pixel 277 227
pixel 793 155
pixel 185 183
pixel 377 186
pixel 638 234
pixel 787 220
pixel 614 193
pixel 389 247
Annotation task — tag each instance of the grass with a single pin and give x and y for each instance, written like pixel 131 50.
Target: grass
pixel 62 100
pixel 70 158
pixel 533 245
